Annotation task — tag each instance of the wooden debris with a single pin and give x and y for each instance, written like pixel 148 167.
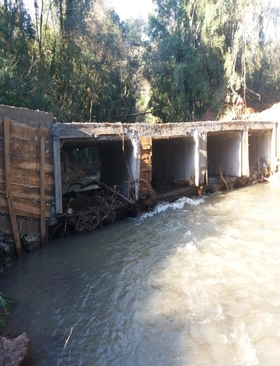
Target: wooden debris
pixel 223 179
pixel 98 208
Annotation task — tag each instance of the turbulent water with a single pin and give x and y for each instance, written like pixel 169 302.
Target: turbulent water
pixel 194 283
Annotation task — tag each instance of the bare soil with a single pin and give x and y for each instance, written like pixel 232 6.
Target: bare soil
pixel 262 112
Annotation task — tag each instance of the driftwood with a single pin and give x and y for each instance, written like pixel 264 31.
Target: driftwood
pixel 101 208
pixel 152 191
pixel 121 196
pixel 101 184
pixel 241 180
pixel 223 179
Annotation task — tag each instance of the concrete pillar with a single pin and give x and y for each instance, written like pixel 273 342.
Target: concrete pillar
pixel 274 148
pixel 245 168
pixel 201 163
pixel 135 164
pixel 57 175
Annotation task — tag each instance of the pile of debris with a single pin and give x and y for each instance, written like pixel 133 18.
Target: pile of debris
pixel 92 205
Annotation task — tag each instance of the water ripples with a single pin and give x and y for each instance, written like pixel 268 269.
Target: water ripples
pixel 193 283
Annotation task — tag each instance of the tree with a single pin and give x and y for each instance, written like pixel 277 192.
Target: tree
pixel 205 51
pixel 16 58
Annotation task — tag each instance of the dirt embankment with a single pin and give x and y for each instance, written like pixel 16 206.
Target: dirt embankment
pixel 264 112
pixel 261 112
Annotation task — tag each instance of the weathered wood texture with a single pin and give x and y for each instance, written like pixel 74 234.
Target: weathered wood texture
pixel 7 155
pixel 145 166
pixel 26 161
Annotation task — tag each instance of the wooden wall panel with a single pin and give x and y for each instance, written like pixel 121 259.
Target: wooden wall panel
pixel 23 131
pixel 27 178
pixel 25 174
pixel 24 207
pixel 32 165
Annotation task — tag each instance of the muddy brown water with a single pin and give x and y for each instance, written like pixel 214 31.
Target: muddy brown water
pixel 195 282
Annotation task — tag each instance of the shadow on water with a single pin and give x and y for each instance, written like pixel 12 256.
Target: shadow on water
pixel 137 292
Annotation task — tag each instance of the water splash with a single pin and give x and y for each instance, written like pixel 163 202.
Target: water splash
pixel 176 205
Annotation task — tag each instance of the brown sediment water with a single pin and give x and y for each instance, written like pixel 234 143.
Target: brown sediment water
pixel 194 282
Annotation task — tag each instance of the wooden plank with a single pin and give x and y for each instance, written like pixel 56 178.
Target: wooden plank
pixel 7 160
pixel 33 118
pixel 14 226
pixel 42 191
pixel 27 164
pixel 22 163
pixel 145 165
pixel 23 208
pixel 22 213
pixel 27 193
pixel 29 178
pixel 24 131
pixel 28 149
pixel 8 185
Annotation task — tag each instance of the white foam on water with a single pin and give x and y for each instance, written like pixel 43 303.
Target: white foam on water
pixel 176 205
pixel 220 293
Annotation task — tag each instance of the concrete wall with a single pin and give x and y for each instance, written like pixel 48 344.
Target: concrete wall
pixel 173 159
pixel 224 150
pixel 117 163
pixel 179 150
pixel 260 147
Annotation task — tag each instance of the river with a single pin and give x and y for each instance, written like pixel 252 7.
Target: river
pixel 195 283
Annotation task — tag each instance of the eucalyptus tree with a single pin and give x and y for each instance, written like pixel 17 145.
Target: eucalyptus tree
pixel 266 74
pixel 182 69
pixel 16 55
pixel 113 56
pixel 88 59
pixel 204 51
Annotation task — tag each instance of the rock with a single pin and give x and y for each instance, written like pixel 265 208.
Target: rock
pixel 15 352
pixel 4 247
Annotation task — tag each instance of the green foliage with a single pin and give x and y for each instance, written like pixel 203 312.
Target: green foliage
pixel 5 303
pixel 79 61
pixel 205 51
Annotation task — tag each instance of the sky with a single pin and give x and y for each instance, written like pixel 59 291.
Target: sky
pixel 125 8
pixel 132 8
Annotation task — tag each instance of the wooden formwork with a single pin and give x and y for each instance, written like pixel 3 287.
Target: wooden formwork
pixel 26 170
pixel 145 166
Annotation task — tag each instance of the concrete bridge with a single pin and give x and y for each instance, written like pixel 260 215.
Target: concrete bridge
pixel 135 157
pixel 160 152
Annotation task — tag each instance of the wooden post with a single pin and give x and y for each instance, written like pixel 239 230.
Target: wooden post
pixel 7 158
pixel 42 192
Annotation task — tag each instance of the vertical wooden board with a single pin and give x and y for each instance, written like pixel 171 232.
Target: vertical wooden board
pixel 145 165
pixel 8 185
pixel 14 226
pixel 42 192
pixel 7 156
